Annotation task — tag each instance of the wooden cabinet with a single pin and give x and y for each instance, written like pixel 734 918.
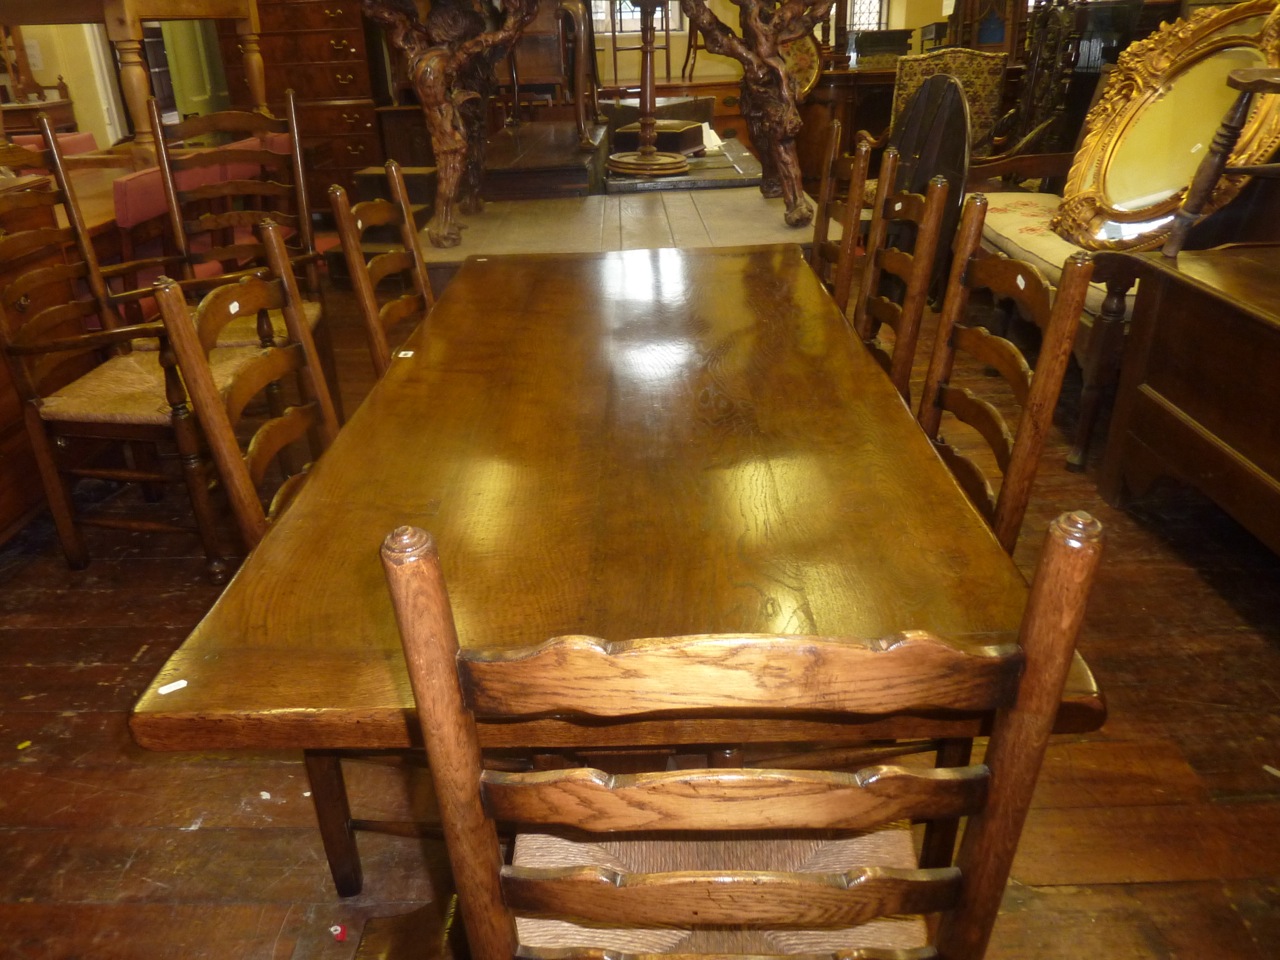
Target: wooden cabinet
pixel 1199 398
pixel 860 98
pixel 726 114
pixel 20 489
pixel 317 49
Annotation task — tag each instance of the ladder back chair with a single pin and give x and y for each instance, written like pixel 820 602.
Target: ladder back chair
pixel 931 137
pixel 272 437
pixel 839 202
pixel 715 861
pixel 371 264
pixel 1038 120
pixel 1017 453
pixel 245 447
pixel 223 173
pixel 101 402
pixel 898 270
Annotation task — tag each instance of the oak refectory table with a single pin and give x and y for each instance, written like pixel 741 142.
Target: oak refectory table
pixel 625 444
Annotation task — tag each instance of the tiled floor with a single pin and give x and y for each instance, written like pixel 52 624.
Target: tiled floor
pixel 670 218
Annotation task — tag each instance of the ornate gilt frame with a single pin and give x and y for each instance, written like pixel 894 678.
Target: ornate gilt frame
pixel 1139 78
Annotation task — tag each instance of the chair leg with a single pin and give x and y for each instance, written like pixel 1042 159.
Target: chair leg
pixel 939 843
pixel 333 812
pixel 329 364
pixel 195 473
pixel 1101 367
pixel 145 459
pixel 56 491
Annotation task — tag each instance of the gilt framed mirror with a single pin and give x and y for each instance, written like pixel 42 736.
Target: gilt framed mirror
pixel 1152 125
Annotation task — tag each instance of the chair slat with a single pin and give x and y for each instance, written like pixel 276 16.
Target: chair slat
pixel 901 263
pixel 243 188
pixel 14 246
pixel 969 475
pixel 734 800
pixel 1014 280
pixel 16 296
pixel 387 264
pixel 37 333
pixel 375 213
pixel 910 670
pixel 760 899
pixel 401 309
pixel 983 417
pixel 253 378
pixel 993 351
pixel 884 311
pixel 274 436
pixel 246 219
pixel 224 121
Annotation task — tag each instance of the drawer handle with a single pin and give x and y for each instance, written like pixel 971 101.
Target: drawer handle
pixel 335 12
pixel 349 78
pixel 730 101
pixel 351 117
pixel 341 46
pixel 355 149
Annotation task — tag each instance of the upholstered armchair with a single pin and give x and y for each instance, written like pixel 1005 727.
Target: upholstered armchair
pixel 981 76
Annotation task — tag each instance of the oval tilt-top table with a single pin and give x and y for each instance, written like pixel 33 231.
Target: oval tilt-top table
pixel 626 444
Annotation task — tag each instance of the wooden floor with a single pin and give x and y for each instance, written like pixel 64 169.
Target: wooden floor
pixel 1157 838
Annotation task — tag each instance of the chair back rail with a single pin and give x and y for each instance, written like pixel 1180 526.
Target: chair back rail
pixel 744 810
pixel 589 677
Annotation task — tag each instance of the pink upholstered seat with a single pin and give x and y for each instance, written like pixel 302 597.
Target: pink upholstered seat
pixel 68 143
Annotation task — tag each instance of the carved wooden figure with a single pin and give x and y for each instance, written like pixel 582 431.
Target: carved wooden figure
pixel 769 97
pixel 451 59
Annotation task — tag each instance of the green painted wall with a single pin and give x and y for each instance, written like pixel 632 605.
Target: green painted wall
pixel 195 66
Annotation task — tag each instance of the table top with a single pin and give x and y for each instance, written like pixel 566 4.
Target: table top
pixel 639 443
pixel 124 17
pixel 96 197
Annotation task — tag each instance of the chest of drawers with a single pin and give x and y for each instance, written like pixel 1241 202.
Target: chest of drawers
pixel 317 48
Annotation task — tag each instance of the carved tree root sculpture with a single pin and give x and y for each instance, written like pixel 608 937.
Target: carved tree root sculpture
pixel 768 94
pixel 451 61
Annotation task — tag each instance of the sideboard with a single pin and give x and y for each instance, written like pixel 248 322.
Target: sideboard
pixel 1199 393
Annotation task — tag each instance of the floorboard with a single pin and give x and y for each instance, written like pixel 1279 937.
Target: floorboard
pixel 1157 837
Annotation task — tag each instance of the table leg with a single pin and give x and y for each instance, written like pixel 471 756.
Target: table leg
pixel 333 812
pixel 576 12
pixel 254 71
pixel 939 843
pixel 135 83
